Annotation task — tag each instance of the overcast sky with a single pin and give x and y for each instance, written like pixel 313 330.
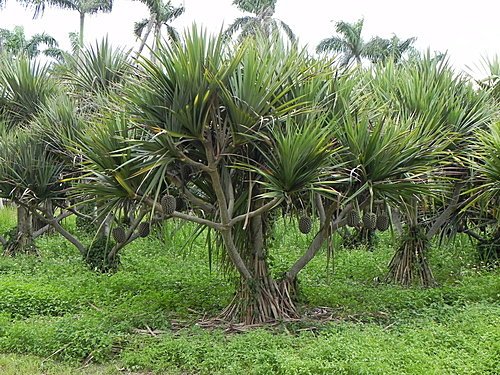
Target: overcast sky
pixel 468 30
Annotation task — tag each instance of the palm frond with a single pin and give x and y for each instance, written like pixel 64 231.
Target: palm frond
pixel 238 24
pixel 139 27
pixel 172 33
pixel 288 31
pixel 255 6
pixel 333 44
pixel 25 85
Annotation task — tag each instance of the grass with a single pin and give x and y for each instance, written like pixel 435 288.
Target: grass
pixel 12 364
pixel 58 317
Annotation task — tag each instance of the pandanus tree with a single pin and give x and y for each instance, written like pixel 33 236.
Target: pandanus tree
pixel 29 177
pixel 262 22
pixel 90 80
pixel 237 152
pixel 161 14
pixel 484 200
pixel 25 88
pixel 446 107
pixel 36 173
pixel 205 134
pixel 491 80
pixel 47 156
pixel 94 75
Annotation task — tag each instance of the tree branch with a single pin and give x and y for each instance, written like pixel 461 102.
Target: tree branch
pixel 198 220
pixel 129 235
pixel 55 224
pixel 229 192
pixel 260 210
pixel 318 240
pixel 195 201
pixel 41 231
pixel 195 219
pixel 76 212
pixel 225 231
pixel 321 209
pixel 327 229
pixel 474 235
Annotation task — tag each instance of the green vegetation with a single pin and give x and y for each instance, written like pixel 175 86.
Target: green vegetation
pixel 58 317
pixel 229 207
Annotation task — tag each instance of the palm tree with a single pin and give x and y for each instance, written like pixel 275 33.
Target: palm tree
pixel 15 43
pixel 160 14
pixel 349 42
pixel 380 49
pixel 262 21
pixel 83 7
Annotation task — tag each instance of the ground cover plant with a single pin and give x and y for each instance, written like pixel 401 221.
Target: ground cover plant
pixel 60 317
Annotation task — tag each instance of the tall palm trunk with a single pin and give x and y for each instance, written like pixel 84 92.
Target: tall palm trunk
pixel 145 37
pixel 157 41
pixel 82 25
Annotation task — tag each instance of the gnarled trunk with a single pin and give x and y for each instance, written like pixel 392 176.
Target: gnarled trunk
pixel 22 241
pixel 261 299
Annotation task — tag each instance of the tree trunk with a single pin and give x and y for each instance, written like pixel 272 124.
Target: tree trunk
pixel 82 25
pixel 144 39
pixel 396 221
pixel 261 299
pixel 156 43
pixel 447 213
pixel 23 240
pixel 38 224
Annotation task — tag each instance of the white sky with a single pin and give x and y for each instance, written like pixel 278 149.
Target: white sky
pixel 468 30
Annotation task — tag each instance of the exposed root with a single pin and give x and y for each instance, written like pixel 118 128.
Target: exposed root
pixel 265 301
pixel 20 244
pixel 312 320
pixel 409 264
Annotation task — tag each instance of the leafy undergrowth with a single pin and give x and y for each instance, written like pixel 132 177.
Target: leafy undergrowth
pixel 58 317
